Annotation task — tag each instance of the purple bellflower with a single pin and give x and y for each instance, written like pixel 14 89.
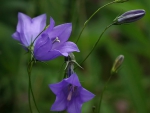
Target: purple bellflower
pixel 53 42
pixel 28 28
pixel 44 44
pixel 70 95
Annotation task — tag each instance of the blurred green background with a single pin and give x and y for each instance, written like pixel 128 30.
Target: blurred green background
pixel 127 92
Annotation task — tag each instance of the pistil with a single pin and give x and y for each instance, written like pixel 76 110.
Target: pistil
pixel 56 40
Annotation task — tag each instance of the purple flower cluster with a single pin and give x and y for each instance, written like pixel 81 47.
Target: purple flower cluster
pixel 47 43
pixel 44 43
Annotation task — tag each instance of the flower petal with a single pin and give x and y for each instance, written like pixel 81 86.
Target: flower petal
pixel 74 106
pixel 60 90
pixel 37 25
pixel 85 95
pixel 16 36
pixel 52 24
pixel 58 87
pixel 23 21
pixel 62 31
pixel 60 103
pixel 68 47
pixel 42 47
pixel 30 28
pixel 23 27
pixel 73 79
pixel 52 55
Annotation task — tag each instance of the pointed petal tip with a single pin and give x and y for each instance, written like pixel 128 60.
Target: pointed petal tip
pixel 86 95
pixel 51 19
pixel 20 13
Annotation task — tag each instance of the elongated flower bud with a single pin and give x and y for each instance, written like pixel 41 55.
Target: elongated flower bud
pixel 118 62
pixel 129 16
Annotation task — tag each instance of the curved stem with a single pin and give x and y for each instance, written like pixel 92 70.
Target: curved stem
pixel 100 101
pixel 96 42
pixel 30 86
pixel 92 16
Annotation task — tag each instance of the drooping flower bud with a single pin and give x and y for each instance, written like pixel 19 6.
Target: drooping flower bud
pixel 129 16
pixel 117 64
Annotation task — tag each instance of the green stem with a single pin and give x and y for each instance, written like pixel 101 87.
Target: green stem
pixel 29 97
pixel 92 16
pixel 97 42
pixel 100 101
pixel 30 86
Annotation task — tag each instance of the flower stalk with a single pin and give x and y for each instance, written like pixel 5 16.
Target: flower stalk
pixel 29 69
pixel 100 100
pixel 97 42
pixel 86 22
pixel 117 63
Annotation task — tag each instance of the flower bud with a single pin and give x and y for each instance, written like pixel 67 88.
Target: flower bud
pixel 129 16
pixel 118 62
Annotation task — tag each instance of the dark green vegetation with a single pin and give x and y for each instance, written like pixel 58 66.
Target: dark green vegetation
pixel 127 92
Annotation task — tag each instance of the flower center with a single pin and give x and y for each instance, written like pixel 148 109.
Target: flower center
pixel 72 89
pixel 56 40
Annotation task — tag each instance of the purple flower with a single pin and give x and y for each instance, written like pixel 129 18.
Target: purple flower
pixel 70 95
pixel 53 42
pixel 28 28
pixel 49 44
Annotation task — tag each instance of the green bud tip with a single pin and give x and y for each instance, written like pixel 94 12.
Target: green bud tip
pixel 117 64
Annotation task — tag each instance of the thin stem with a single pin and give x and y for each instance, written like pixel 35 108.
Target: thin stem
pixel 29 97
pixel 30 85
pixel 92 16
pixel 97 42
pixel 100 101
pixel 39 34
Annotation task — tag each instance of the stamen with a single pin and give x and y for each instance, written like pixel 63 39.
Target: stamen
pixel 69 87
pixel 56 40
pixel 69 96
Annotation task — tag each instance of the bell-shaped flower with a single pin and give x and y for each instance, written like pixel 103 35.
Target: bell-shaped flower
pixel 53 42
pixel 29 28
pixel 70 95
